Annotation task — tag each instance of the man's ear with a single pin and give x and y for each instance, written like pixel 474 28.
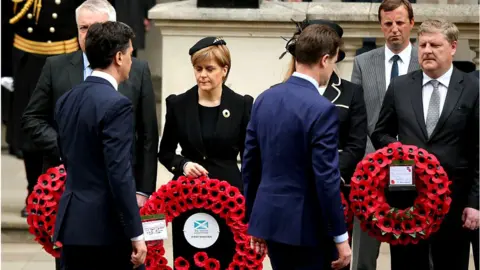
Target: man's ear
pixel 118 58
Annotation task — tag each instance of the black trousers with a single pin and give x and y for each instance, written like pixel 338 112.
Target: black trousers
pixel 447 249
pixel 223 249
pixel 33 167
pixel 98 257
pixel 287 257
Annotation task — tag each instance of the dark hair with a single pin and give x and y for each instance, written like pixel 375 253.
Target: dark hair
pixel 390 5
pixel 104 40
pixel 314 42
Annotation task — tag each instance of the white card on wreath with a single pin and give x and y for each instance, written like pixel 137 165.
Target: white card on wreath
pixel 155 230
pixel 401 175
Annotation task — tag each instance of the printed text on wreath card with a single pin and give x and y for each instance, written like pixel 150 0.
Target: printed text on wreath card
pixel 155 230
pixel 401 175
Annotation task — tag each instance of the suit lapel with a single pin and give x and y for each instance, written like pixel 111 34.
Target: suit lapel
pixel 224 118
pixel 379 62
pixel 333 92
pixel 417 101
pixel 75 70
pixel 194 130
pixel 454 92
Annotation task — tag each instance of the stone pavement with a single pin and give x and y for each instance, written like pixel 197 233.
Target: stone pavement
pixel 20 252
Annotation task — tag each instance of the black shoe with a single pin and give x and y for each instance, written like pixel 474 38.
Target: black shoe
pixel 24 212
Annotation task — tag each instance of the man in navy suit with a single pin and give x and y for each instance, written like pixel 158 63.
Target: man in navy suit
pixel 98 221
pixel 290 164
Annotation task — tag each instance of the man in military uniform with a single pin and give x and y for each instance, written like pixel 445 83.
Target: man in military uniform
pixel 41 28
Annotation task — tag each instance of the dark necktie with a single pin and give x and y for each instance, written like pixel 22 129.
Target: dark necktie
pixel 394 72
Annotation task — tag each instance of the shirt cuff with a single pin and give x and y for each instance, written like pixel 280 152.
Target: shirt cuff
pixel 138 238
pixel 341 238
pixel 143 194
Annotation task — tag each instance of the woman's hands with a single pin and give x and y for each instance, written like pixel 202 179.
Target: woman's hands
pixel 192 169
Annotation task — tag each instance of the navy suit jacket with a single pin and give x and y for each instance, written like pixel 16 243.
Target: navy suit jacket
pixel 290 166
pixel 94 125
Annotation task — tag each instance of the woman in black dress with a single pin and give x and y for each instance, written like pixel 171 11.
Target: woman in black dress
pixel 209 122
pixel 352 114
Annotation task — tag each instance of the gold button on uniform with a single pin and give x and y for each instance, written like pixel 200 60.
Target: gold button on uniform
pixel 173 168
pixel 29 29
pixel 204 158
pixel 29 15
pixel 52 30
pixel 54 15
pixel 58 2
pixel 49 41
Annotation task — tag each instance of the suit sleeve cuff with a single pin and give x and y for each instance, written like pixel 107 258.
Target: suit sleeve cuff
pixel 341 238
pixel 138 238
pixel 143 194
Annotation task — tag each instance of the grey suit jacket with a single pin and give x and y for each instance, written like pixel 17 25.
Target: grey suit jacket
pixel 369 72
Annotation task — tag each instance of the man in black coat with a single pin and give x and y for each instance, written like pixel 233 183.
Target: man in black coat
pixel 61 73
pixel 40 29
pixel 437 109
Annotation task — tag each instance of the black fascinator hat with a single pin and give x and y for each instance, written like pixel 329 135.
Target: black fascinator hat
pixel 290 46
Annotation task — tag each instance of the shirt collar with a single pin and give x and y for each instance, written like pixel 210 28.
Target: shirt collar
pixel 444 79
pixel 107 77
pixel 306 77
pixel 404 55
pixel 85 62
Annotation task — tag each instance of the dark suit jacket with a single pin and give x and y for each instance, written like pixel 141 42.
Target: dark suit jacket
pixel 352 114
pixel 290 166
pixel 133 13
pixel 95 134
pixel 455 138
pixel 182 126
pixel 63 72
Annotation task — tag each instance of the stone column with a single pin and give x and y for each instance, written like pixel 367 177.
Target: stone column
pixel 350 46
pixel 474 47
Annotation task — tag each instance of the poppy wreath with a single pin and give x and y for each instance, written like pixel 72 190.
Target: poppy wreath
pixel 172 200
pixel 42 206
pixel 347 212
pixel 389 224
pixel 178 196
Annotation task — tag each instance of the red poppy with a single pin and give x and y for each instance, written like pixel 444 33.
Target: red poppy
pixel 181 264
pixel 200 258
pixel 217 208
pixel 232 192
pixel 212 264
pixel 212 183
pixel 237 266
pixel 386 225
pixel 223 186
pixel 380 160
pixel 162 261
pixel 238 257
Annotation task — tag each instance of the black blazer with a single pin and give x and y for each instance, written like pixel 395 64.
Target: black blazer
pixel 182 126
pixel 352 115
pixel 63 72
pixel 455 138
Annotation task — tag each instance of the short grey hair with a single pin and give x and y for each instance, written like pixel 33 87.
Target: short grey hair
pixel 98 6
pixel 448 29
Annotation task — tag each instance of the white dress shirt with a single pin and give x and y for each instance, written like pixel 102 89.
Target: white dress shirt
pixel 339 238
pixel 403 62
pixel 114 83
pixel 87 71
pixel 427 90
pixel 106 76
pixel 320 89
